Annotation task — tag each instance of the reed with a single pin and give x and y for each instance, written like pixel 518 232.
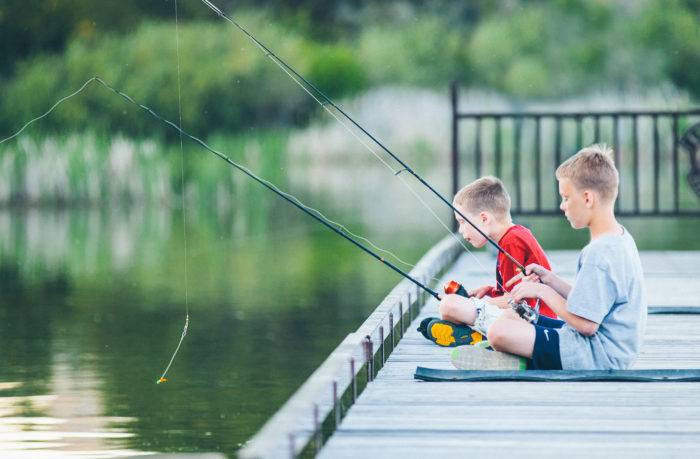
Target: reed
pixel 91 169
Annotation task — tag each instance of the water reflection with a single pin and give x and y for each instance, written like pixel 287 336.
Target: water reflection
pixel 70 422
pixel 92 305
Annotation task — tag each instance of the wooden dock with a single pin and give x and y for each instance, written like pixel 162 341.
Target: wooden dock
pixel 398 416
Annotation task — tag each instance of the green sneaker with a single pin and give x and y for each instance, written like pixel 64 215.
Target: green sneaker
pixel 483 357
pixel 448 334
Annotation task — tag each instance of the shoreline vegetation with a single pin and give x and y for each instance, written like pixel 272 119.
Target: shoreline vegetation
pixel 96 167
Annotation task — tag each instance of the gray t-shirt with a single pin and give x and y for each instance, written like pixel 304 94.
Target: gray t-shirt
pixel 608 290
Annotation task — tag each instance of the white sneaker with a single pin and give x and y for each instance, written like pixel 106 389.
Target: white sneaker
pixel 486 314
pixel 479 358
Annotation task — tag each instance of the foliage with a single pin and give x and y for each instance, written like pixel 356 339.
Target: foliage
pixel 424 51
pixel 570 46
pixel 221 77
pixel 523 49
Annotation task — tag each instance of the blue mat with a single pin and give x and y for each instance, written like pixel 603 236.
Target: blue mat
pixel 432 374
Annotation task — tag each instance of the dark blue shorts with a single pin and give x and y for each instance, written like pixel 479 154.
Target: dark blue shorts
pixel 545 355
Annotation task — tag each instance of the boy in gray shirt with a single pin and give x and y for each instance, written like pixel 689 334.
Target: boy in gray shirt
pixel 603 315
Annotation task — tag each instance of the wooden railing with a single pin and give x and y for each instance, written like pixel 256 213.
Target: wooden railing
pixel 654 152
pixel 316 409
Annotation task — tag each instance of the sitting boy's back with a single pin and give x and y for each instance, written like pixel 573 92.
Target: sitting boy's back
pixel 609 286
pixel 609 273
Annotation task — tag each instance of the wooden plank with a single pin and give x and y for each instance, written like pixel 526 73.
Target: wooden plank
pixel 509 444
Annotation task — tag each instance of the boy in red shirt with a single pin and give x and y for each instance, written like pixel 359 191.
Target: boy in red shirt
pixel 486 203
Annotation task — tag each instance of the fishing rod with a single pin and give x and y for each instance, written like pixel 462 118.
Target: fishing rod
pixel 327 101
pixel 270 187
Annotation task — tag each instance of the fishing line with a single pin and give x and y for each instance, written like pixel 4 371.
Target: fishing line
pixel 162 378
pixel 307 86
pixel 316 214
pixel 60 101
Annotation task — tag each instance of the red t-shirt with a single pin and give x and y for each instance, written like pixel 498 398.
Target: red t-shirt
pixel 519 242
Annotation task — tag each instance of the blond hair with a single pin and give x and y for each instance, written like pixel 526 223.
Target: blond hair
pixel 592 168
pixel 485 194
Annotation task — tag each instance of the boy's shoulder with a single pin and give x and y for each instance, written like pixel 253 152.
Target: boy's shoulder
pixel 518 234
pixel 521 243
pixel 608 251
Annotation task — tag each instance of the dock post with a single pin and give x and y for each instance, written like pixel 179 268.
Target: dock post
pixel 354 380
pixel 369 358
pixel 336 405
pixel 292 452
pixel 381 342
pixel 391 330
pixel 317 429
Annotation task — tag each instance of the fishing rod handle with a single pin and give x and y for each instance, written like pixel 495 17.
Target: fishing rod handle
pixel 454 287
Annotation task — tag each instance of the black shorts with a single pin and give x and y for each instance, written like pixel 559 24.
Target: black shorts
pixel 545 354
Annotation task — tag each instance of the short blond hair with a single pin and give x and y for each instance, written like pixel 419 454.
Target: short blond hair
pixel 592 168
pixel 485 194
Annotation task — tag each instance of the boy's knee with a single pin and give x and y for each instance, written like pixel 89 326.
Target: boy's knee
pixel 447 309
pixel 498 334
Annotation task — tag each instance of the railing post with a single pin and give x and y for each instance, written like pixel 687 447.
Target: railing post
pixel 635 161
pixel 454 98
pixel 353 379
pixel 292 449
pixel 676 205
pixel 317 429
pixel 381 341
pixel 657 164
pixel 336 404
pixel 391 330
pixel 617 146
pixel 369 358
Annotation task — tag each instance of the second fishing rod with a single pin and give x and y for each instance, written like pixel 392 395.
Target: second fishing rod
pixel 270 187
pixel 326 101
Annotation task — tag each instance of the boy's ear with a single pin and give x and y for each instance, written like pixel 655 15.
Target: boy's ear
pixel 589 198
pixel 484 216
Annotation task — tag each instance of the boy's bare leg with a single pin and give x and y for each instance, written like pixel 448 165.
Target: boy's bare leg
pixel 457 309
pixel 509 333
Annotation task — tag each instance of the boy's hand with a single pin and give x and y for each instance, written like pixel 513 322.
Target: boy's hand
pixel 533 273
pixel 481 291
pixel 527 290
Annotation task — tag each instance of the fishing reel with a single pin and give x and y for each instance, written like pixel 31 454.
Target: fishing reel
pixel 521 308
pixel 454 287
pixel 524 310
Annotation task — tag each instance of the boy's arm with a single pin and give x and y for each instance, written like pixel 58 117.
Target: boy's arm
pixel 557 303
pixel 481 292
pixel 500 301
pixel 558 284
pixel 534 272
